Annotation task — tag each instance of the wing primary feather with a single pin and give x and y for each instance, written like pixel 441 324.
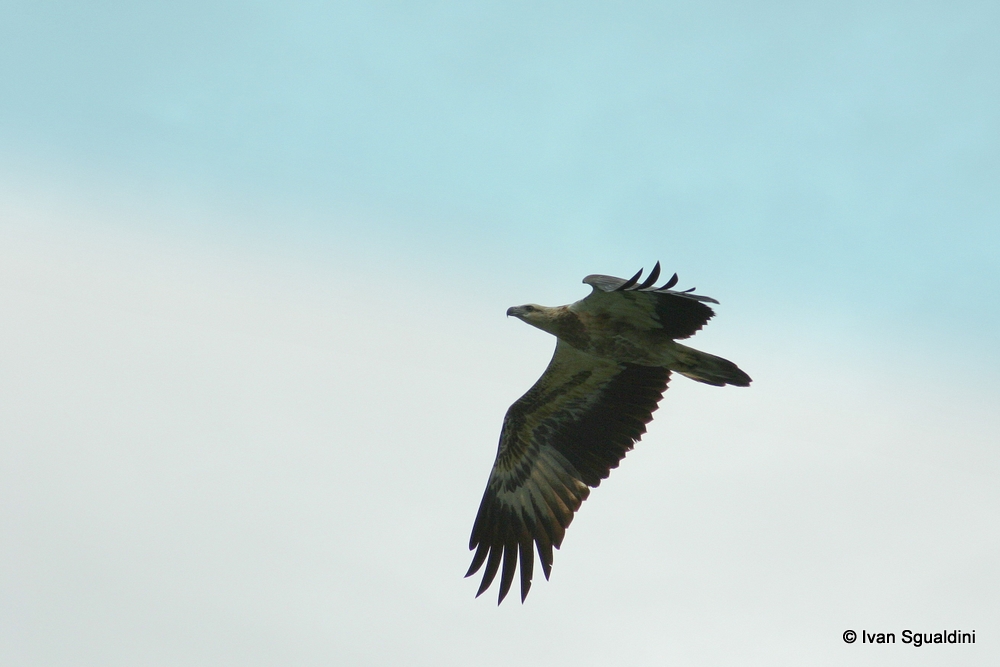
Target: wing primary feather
pixel 568 501
pixel 631 281
pixel 509 565
pixel 527 565
pixel 556 487
pixel 479 558
pixel 653 275
pixel 545 534
pixel 544 517
pixel 545 558
pixel 496 551
pixel 670 283
pixel 560 515
pixel 541 496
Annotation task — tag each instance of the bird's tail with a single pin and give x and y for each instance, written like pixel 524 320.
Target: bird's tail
pixel 708 368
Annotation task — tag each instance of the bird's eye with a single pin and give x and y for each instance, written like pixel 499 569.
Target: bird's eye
pixel 529 309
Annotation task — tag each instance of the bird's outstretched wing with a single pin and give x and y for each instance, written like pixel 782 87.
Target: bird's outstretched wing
pixel 679 314
pixel 562 437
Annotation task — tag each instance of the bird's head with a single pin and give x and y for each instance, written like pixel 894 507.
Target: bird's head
pixel 535 315
pixel 526 312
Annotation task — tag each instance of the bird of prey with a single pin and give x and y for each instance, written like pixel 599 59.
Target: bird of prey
pixel 615 350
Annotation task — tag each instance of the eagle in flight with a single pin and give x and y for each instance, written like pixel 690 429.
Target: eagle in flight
pixel 614 353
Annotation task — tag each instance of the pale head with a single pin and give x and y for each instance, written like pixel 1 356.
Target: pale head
pixel 542 317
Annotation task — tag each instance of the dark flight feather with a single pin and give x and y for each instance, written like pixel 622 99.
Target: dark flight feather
pixel 653 275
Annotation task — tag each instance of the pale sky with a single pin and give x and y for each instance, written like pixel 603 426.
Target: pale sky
pixel 254 359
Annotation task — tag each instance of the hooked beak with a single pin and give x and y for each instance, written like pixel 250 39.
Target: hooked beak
pixel 516 311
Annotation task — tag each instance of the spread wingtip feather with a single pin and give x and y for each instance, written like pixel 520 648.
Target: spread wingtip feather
pixel 653 275
pixel 631 281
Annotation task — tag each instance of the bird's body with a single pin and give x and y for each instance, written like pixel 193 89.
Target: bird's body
pixel 614 353
pixel 623 329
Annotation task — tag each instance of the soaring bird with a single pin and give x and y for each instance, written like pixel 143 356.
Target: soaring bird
pixel 615 350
